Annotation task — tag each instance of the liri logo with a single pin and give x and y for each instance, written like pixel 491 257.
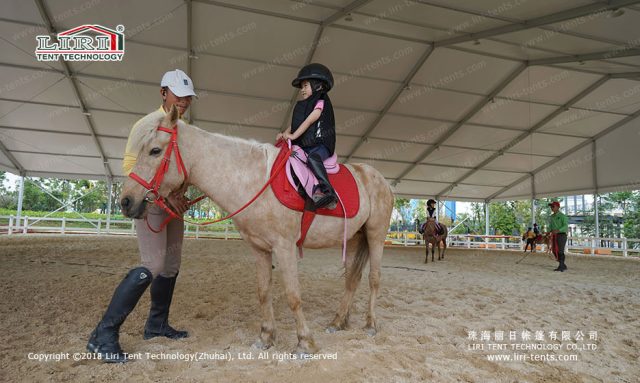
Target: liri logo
pixel 83 43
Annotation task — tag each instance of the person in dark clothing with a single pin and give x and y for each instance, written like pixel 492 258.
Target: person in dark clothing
pixel 313 128
pixel 431 213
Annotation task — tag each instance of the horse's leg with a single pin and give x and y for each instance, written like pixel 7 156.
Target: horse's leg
pixel 444 246
pixel 433 250
pixel 267 328
pixel 426 244
pixel 376 248
pixel 288 264
pixel 353 275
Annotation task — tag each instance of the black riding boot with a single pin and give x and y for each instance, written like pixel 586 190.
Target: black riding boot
pixel 158 322
pixel 323 193
pixel 562 266
pixel 104 340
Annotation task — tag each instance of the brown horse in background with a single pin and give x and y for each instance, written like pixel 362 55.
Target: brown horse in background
pixel 430 237
pixel 541 239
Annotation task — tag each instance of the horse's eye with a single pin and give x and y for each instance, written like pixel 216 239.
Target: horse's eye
pixel 155 151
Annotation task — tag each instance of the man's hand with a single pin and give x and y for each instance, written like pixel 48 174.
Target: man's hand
pixel 178 202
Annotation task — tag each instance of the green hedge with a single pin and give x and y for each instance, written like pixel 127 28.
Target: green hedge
pixel 59 214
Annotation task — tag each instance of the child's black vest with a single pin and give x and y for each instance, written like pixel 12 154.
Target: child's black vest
pixel 322 131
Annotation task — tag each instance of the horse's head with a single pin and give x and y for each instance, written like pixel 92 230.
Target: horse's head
pixel 151 139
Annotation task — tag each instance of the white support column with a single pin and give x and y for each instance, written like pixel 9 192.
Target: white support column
pixel 20 199
pixel 486 218
pixel 438 209
pixel 109 198
pixel 596 203
pixel 533 211
pixel 596 197
pixel 533 199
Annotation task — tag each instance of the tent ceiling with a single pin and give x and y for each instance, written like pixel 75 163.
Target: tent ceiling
pixel 454 99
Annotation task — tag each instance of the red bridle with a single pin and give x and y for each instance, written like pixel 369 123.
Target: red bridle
pixel 153 186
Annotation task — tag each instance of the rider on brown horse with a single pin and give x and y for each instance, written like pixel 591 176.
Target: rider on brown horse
pixel 431 209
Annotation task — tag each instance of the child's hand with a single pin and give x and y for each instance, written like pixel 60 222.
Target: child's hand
pixel 280 136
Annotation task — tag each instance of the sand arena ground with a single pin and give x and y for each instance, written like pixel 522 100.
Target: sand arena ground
pixel 54 290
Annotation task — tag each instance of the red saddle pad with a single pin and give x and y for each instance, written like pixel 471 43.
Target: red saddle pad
pixel 343 183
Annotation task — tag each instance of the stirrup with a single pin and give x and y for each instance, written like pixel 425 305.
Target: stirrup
pixel 324 200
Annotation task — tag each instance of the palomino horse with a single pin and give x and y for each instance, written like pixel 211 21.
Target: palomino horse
pixel 230 171
pixel 430 237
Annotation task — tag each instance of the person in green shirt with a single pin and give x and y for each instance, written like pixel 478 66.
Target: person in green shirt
pixel 558 225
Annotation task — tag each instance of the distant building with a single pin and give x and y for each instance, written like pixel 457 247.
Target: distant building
pixel 450 209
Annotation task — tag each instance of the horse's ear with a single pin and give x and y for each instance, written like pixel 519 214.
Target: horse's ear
pixel 174 115
pixel 171 118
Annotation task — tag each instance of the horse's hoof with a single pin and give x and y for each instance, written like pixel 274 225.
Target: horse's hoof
pixel 370 331
pixel 260 345
pixel 334 328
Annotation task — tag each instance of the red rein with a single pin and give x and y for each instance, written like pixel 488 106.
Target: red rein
pixel 156 181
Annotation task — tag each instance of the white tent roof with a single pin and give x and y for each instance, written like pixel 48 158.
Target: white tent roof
pixel 467 100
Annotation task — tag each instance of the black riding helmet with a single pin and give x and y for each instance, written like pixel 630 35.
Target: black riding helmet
pixel 314 71
pixel 431 201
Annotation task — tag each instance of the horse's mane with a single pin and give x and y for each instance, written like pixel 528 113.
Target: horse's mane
pixel 145 129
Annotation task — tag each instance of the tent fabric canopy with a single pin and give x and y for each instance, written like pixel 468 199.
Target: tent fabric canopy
pixel 460 100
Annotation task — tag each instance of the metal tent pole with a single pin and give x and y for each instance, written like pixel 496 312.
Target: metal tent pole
pixel 20 199
pixel 533 199
pixel 486 218
pixel 110 197
pixel 533 211
pixel 596 203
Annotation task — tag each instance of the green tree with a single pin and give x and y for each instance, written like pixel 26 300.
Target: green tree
pixel 502 217
pixel 8 199
pixel 632 218
pixel 477 218
pixel 399 207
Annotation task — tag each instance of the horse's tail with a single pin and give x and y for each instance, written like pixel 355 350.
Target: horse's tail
pixel 360 260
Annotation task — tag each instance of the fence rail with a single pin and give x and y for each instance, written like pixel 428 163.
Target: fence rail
pixel 226 230
pixel 10 225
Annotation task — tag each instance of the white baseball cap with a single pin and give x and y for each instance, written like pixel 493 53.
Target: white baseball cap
pixel 179 83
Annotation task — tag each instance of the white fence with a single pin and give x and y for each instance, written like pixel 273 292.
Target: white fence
pixel 583 245
pixel 99 226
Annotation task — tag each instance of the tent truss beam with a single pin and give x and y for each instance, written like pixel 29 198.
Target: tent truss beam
pixel 622 52
pixel 587 91
pixel 538 21
pixel 76 90
pixel 477 108
pixel 569 152
pixel 414 70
